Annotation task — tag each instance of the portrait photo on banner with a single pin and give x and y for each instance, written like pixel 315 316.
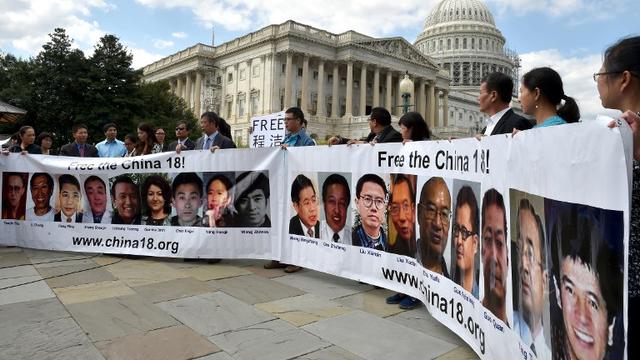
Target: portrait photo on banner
pixel 14 195
pixel 371 199
pixel 69 204
pixel 335 208
pixel 40 206
pixel 401 215
pixel 304 209
pixel 219 189
pixel 252 199
pixel 433 248
pixel 530 272
pixel 465 235
pixel 586 257
pixel 97 199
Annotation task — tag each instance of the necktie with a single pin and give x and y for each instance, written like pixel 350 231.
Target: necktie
pixel 336 237
pixel 310 232
pixel 68 219
pixel 207 144
pixel 533 348
pixel 81 150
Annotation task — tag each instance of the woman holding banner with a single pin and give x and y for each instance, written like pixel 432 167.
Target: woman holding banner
pixel 26 143
pixel 542 94
pixel 147 143
pixel 413 127
pixel 618 82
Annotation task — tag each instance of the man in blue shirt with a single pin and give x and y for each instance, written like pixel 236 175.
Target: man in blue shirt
pixel 111 147
pixel 295 123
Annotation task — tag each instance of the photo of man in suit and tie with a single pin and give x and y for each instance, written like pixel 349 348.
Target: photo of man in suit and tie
pixel 335 199
pixel 305 203
pixel 69 200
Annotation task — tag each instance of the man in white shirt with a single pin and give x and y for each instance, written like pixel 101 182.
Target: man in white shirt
pixel 336 199
pixel 496 90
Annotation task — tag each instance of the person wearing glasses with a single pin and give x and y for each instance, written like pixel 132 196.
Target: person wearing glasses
pixel 295 124
pixel 465 240
pixel 182 142
pixel 111 146
pixel 542 96
pixel 160 137
pixel 402 210
pixel 371 202
pixel 495 255
pixel 305 202
pixel 532 277
pixel 434 217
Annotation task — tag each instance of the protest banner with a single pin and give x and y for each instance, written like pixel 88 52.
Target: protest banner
pixel 267 130
pixel 511 242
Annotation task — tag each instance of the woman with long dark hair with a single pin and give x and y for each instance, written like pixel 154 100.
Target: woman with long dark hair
pixel 147 143
pixel 156 193
pixel 413 127
pixel 542 95
pixel 26 144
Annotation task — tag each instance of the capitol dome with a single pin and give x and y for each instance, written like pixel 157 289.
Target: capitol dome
pixel 456 10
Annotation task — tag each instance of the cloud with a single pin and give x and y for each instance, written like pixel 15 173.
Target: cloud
pixel 142 57
pixel 162 44
pixel 576 11
pixel 576 72
pixel 25 24
pixel 179 35
pixel 372 17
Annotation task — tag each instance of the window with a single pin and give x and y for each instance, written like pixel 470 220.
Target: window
pixel 241 105
pixel 330 78
pixel 255 99
pixel 464 43
pixel 448 44
pixel 480 44
pixel 299 71
pixel 457 44
pixel 229 108
pixel 243 74
pixel 315 75
pixel 343 81
pixel 230 77
pixel 356 84
pixel 473 44
pixel 255 70
pixel 237 136
pixel 284 68
pixel 219 80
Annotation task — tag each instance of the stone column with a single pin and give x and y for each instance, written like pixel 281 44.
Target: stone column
pixel 445 108
pixel 320 111
pixel 363 90
pixel 421 100
pixel 430 104
pixel 376 87
pixel 189 87
pixel 335 91
pixel 236 76
pixel 398 109
pixel 388 102
pixel 197 107
pixel 436 109
pixel 172 86
pixel 288 81
pixel 179 85
pixel 247 93
pixel 304 102
pixel 349 103
pixel 263 91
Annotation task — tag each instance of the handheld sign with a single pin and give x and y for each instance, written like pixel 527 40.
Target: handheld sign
pixel 267 130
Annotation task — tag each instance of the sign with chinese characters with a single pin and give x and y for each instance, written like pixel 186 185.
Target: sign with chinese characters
pixel 267 130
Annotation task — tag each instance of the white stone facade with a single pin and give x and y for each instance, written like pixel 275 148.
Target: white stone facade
pixel 292 64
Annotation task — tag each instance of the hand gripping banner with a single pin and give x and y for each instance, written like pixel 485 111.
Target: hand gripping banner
pixel 517 244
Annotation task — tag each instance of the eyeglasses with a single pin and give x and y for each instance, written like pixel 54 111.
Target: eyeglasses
pixel 596 75
pixel 457 230
pixel 367 201
pixel 430 212
pixel 180 128
pixel 394 209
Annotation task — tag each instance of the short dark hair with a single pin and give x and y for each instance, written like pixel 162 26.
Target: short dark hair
pixel 415 122
pixel 500 83
pixel 46 176
pixel 211 117
pixel 381 116
pixel 577 235
pixel 43 135
pixel 132 137
pixel 402 178
pixel 334 179
pixel 186 178
pixel 163 184
pixel 125 179
pixel 68 179
pixel 297 113
pixel 550 84
pixel 467 197
pixel 260 182
pixel 187 124
pixel 94 178
pixel 223 179
pixel 623 55
pixel 299 183
pixel 370 178
pixel 108 126
pixel 224 128
pixel 525 205
pixel 493 197
pixel 77 127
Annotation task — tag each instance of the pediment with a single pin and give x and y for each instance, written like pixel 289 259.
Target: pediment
pixel 398 48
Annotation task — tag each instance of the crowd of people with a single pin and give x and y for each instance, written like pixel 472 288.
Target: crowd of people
pixel 542 98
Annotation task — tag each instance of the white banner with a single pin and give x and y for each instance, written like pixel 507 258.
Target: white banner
pixel 513 243
pixel 267 130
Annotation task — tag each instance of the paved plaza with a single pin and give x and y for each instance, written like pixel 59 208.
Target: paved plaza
pixel 56 305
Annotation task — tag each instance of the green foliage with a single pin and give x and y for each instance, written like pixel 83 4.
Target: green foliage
pixel 61 87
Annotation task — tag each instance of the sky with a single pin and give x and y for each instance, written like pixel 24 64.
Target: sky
pixel 568 35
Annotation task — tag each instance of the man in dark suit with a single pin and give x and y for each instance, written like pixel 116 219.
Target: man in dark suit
pixel 495 96
pixel 212 139
pixel 305 202
pixel 79 148
pixel 183 129
pixel 381 130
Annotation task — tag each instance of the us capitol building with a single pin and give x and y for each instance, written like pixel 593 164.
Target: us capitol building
pixel 337 78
